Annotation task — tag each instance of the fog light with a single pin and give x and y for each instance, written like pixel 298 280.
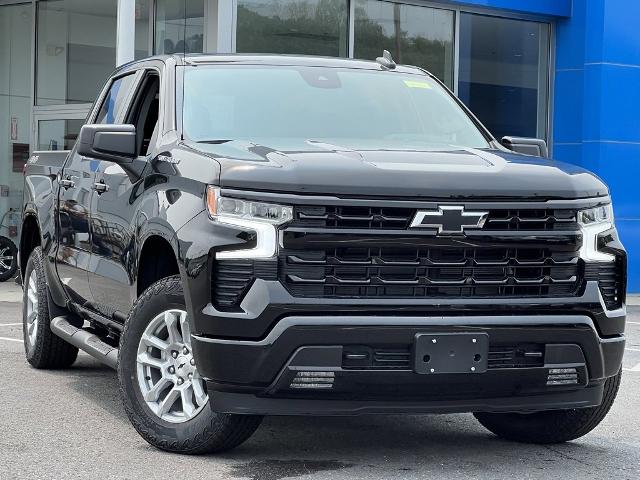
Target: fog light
pixel 562 376
pixel 313 380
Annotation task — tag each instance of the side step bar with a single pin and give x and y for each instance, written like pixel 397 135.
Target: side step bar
pixel 85 341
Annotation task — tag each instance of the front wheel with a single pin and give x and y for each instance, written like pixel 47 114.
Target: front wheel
pixel 554 426
pixel 162 391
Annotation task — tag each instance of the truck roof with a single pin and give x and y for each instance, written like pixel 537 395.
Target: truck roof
pixel 271 59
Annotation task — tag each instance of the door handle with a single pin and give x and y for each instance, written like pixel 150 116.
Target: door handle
pixel 67 183
pixel 100 187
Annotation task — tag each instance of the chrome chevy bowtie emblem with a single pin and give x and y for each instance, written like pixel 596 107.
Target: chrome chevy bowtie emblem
pixel 449 219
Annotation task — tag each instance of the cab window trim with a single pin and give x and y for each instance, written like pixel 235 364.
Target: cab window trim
pixel 134 98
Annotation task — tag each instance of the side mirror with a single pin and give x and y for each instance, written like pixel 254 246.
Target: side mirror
pixel 528 146
pixel 115 143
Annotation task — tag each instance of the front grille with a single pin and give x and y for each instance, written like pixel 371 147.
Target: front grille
pixel 331 251
pixel 415 272
pixel 393 218
pixel 363 357
pixel 610 277
pixel 516 356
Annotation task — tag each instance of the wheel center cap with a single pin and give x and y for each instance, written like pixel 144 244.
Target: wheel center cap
pixel 183 364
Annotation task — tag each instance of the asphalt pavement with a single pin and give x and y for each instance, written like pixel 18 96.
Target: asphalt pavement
pixel 70 424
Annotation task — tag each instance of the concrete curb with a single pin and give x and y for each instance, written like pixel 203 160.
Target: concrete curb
pixel 10 292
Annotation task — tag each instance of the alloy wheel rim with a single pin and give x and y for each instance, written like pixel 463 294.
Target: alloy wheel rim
pixel 32 308
pixel 167 374
pixel 6 260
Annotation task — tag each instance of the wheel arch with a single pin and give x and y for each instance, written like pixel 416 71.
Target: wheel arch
pixel 30 238
pixel 157 259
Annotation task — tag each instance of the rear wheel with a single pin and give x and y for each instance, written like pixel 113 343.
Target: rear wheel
pixel 8 259
pixel 163 393
pixel 555 426
pixel 42 347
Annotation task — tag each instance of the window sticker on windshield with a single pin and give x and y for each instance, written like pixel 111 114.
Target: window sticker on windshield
pixel 416 84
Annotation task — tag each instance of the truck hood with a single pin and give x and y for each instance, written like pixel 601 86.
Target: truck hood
pixel 312 167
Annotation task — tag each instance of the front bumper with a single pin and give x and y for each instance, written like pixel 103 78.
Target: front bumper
pixel 268 302
pixel 250 356
pixel 261 377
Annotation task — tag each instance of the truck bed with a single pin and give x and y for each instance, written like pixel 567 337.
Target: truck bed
pixel 46 162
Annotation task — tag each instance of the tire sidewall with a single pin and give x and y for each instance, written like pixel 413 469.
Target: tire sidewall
pixel 35 264
pixel 164 295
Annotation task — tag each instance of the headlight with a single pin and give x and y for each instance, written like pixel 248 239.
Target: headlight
pixel 593 222
pixel 261 218
pixel 602 214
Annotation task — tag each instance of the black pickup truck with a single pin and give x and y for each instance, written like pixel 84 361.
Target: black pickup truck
pixel 243 236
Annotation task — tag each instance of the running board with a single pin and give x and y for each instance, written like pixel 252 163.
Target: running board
pixel 85 341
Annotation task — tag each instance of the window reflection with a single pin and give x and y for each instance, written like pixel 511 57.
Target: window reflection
pixel 504 73
pixel 114 100
pixel 76 49
pixel 58 134
pixel 142 28
pixel 179 26
pixel 309 27
pixel 414 35
pixel 15 108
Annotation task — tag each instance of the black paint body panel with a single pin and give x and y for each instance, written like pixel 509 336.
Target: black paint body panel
pixel 93 243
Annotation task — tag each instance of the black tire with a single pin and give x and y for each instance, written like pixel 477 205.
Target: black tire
pixel 9 267
pixel 554 426
pixel 47 351
pixel 207 432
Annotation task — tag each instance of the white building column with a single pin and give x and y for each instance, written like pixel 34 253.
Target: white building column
pixel 220 26
pixel 126 32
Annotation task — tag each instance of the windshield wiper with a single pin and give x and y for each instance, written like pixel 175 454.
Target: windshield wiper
pixel 214 142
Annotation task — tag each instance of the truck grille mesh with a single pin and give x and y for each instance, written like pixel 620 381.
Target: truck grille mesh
pixel 384 258
pixel 393 218
pixel 364 357
pixel 430 272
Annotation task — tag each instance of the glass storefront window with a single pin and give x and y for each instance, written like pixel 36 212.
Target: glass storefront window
pixel 15 108
pixel 504 72
pixel 142 28
pixel 414 35
pixel 179 26
pixel 58 134
pixel 310 27
pixel 76 49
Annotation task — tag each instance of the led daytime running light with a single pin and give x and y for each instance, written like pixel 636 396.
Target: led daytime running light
pixel 258 217
pixel 593 222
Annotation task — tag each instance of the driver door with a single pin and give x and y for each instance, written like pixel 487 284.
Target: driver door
pixel 113 211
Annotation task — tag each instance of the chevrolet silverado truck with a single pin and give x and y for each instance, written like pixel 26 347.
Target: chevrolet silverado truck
pixel 244 235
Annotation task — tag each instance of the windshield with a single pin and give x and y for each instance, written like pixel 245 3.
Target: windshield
pixel 349 107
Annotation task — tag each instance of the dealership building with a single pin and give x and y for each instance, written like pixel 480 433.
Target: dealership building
pixel 566 71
